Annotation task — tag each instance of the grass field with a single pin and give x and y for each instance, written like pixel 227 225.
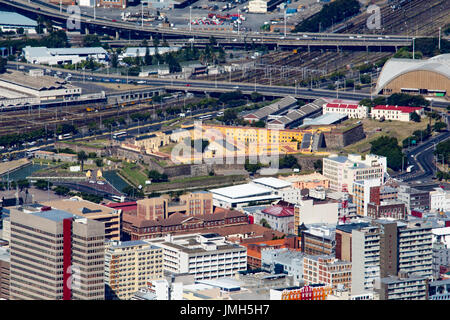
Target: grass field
pixel 132 172
pixel 397 129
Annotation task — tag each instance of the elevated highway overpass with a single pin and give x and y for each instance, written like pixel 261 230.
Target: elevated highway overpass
pixel 120 29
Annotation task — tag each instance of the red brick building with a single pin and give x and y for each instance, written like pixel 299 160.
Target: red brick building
pixel 137 228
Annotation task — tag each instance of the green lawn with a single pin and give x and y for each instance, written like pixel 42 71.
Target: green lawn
pixel 133 173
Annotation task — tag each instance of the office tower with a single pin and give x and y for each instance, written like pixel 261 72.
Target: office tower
pixel 55 255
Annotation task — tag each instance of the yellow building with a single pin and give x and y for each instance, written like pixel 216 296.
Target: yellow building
pixel 129 265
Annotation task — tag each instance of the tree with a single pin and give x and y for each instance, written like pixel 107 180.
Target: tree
pixel 82 156
pixel 264 223
pixel 439 126
pixel 114 60
pixel 318 165
pixel 256 96
pixel 132 192
pixel 43 184
pixel 147 57
pixel 389 148
pixel 415 117
pixel 289 161
pixel 156 41
pixel 61 190
pixel 229 116
pixel 252 167
pixel 91 40
pixel 99 162
pixel 3 63
pixel 155 176
pixel 23 183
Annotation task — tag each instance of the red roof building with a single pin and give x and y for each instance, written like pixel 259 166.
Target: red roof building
pixel 399 113
pixel 350 110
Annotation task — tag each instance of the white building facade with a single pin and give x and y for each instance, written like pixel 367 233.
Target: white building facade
pixel 206 256
pixel 344 171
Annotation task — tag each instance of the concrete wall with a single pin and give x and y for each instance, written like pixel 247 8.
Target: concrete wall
pixel 336 139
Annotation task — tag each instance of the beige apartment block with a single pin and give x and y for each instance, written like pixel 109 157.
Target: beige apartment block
pixel 130 265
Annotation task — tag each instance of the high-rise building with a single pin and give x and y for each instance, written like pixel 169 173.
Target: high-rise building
pixel 405 248
pixel 55 255
pixel 344 239
pixel 5 259
pixel 129 265
pixel 344 171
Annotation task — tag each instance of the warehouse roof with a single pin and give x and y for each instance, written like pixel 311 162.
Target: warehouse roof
pixel 242 191
pixel 37 83
pixel 272 182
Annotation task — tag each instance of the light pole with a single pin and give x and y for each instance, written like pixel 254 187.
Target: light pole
pixel 414 49
pixel 439 43
pixel 295 86
pixel 95 5
pixel 190 18
pixel 285 22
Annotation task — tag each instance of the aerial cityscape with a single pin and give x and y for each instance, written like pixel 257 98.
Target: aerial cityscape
pixel 224 150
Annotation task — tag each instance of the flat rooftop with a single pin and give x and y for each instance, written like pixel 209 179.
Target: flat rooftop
pixel 272 182
pixel 242 191
pixel 39 83
pixel 80 207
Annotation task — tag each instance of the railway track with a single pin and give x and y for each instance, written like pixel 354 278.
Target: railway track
pixel 28 120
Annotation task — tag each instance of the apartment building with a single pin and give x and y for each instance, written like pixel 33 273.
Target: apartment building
pixel 110 217
pixel 159 208
pixel 414 199
pixel 344 239
pixel 130 265
pixel 56 255
pixel 405 248
pixel 439 200
pixel 312 211
pixel 344 171
pixel 206 256
pixel 361 194
pixel 402 287
pixel 318 239
pixel 365 258
pixel 328 270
